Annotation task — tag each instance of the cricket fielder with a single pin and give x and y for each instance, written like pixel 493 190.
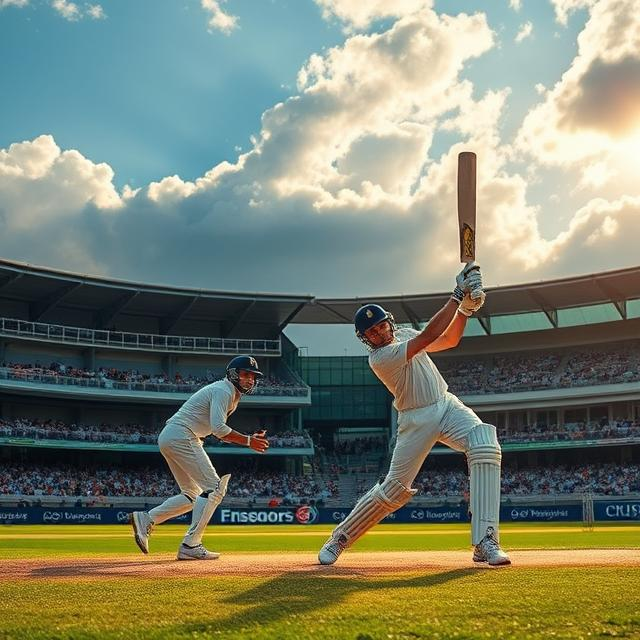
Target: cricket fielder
pixel 202 490
pixel 427 413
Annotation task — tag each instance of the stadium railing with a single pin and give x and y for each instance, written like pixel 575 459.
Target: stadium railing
pixel 136 341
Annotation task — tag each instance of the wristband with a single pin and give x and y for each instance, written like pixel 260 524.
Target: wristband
pixel 457 294
pixel 249 441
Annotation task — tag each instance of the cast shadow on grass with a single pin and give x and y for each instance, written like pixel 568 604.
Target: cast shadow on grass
pixel 301 594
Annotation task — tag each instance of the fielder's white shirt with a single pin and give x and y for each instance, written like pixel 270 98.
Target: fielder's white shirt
pixel 414 383
pixel 207 410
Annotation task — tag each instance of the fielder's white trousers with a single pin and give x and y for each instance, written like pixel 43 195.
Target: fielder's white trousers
pixel 187 460
pixel 448 421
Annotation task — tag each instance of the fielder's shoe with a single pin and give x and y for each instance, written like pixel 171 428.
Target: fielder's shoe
pixel 488 550
pixel 332 548
pixel 196 553
pixel 142 527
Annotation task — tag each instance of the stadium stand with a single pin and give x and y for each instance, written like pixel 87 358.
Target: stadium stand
pixel 98 365
pixel 125 433
pixel 111 378
pixel 34 481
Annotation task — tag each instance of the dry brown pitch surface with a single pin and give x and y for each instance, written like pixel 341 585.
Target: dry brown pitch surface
pixel 165 565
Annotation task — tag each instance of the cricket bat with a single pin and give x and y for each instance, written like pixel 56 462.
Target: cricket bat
pixel 467 205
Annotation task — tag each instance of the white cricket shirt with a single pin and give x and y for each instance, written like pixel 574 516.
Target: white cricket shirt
pixel 414 383
pixel 207 410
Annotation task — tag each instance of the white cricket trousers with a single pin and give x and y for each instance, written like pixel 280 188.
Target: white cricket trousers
pixel 448 421
pixel 188 461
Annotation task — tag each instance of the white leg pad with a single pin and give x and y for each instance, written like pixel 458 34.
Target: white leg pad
pixel 484 456
pixel 171 508
pixel 372 507
pixel 203 510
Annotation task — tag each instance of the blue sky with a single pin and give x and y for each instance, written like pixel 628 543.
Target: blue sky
pixel 148 89
pixel 309 146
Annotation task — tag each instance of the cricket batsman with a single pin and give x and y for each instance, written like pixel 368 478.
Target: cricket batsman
pixel 202 490
pixel 427 413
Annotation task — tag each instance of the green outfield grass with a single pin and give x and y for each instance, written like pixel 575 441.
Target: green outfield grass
pixel 516 602
pixel 42 541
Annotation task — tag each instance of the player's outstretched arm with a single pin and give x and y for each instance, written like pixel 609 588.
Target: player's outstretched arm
pixel 258 441
pixel 451 336
pixel 434 329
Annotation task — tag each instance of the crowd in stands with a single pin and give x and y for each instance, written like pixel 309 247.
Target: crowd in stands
pixel 542 370
pixel 124 433
pixel 466 376
pixel 619 428
pixel 285 489
pixel 608 479
pixel 67 480
pixel 133 433
pixel 473 375
pixel 133 379
pixel 516 373
pixel 602 366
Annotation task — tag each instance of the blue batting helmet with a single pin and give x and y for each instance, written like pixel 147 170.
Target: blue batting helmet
pixel 242 363
pixel 368 316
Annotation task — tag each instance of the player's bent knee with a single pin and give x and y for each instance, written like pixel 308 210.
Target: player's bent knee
pixel 393 494
pixel 483 445
pixel 219 490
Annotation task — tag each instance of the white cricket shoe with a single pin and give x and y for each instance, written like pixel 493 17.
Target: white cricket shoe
pixel 142 527
pixel 332 549
pixel 196 553
pixel 489 551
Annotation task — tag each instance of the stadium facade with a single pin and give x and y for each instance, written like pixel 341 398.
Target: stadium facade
pixel 92 367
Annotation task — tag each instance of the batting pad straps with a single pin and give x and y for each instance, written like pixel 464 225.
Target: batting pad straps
pixel 374 505
pixel 484 456
pixel 203 510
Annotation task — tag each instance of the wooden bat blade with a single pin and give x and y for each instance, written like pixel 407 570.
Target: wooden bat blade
pixel 467 205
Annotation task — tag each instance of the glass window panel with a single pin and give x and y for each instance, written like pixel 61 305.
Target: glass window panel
pixel 633 309
pixel 587 315
pixel 473 328
pixel 520 322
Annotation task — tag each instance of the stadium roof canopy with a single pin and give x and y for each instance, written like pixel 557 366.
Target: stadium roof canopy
pixel 40 294
pixel 548 299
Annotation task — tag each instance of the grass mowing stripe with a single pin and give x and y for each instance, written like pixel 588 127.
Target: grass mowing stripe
pixel 222 530
pixel 52 541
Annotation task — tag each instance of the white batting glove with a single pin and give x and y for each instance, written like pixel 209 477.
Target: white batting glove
pixel 471 304
pixel 467 280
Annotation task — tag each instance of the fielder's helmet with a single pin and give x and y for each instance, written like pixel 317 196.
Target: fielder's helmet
pixel 368 316
pixel 242 363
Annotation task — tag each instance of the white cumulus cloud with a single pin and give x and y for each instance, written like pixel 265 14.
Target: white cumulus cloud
pixel 524 32
pixel 13 3
pixel 359 14
pixel 219 20
pixel 341 192
pixel 595 108
pixel 564 8
pixel 96 12
pixel 68 10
